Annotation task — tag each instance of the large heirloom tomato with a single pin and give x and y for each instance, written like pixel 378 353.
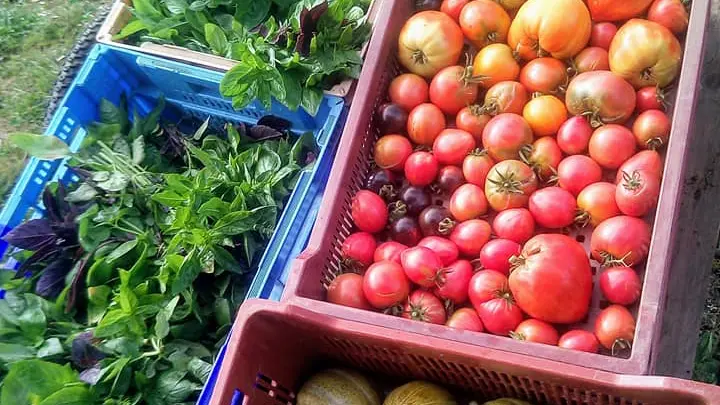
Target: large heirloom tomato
pixel 509 185
pixel 495 63
pixel 429 41
pixel 484 22
pixel 505 135
pixel 453 88
pixel 603 96
pixel 551 280
pixel 616 10
pixel 560 28
pixel 645 54
pixel 620 240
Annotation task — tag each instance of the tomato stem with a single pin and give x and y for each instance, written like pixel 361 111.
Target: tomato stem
pixel 419 57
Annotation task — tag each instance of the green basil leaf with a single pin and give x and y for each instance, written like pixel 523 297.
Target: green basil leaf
pixel 112 114
pixel 138 150
pixel 121 251
pixel 214 208
pixel 311 99
pixel 176 6
pixel 215 36
pixel 117 182
pixel 187 273
pixel 252 13
pixel 83 193
pixel 28 382
pixel 50 347
pixel 199 369
pixel 43 147
pixel 169 198
pixel 162 319
pixel 146 9
pixel 78 395
pixel 174 388
pixel 133 27
pixel 98 298
pixel 199 5
pixel 128 299
pixel 112 323
pixel 11 353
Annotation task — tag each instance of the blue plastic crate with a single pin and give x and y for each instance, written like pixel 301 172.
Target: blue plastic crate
pixel 189 91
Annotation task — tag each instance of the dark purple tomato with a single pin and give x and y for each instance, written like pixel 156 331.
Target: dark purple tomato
pixel 450 178
pixel 415 198
pixel 422 5
pixel 384 183
pixel 405 230
pixel 436 220
pixel 392 119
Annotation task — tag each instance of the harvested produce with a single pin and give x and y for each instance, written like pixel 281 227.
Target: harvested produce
pixel 429 41
pixel 580 340
pixel 620 285
pixel 616 10
pixel 532 330
pixel 409 91
pixel 509 185
pixel 465 319
pixel 423 306
pixel 337 386
pixel 419 393
pixel 484 22
pixel 495 63
pixel 602 96
pixel 615 328
pixel 505 135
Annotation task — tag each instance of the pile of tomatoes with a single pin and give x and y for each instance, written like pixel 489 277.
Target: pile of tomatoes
pixel 482 170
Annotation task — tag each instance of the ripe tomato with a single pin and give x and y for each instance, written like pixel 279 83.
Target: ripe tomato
pixel 369 212
pixel 611 145
pixel 486 285
pixel 453 88
pixel 445 249
pixel 645 54
pixel 589 59
pixel 385 284
pixel 421 168
pixel 452 145
pixel 425 122
pixel 421 265
pixel 391 118
pixel 405 230
pixel 651 129
pixel 453 281
pixel 505 135
pixel 620 285
pixel 671 14
pixel 484 22
pixel 580 340
pixel 552 207
pixel 384 183
pixel 409 91
pixel 347 289
pixel 468 202
pixel 424 307
pixel 602 96
pixel 470 236
pixel 545 115
pixel 465 319
pixel 391 151
pixel 544 157
pixel 615 328
pixel 495 63
pixel 436 220
pixel 496 254
pixel 616 10
pixel 500 315
pixel 472 120
pixel 577 172
pixel 516 224
pixel 596 203
pixel 505 97
pixel 646 161
pixel 533 330
pixel 428 42
pixel 544 75
pixel 509 185
pixel 476 167
pixel 621 240
pixel 574 135
pixel 638 193
pixel 453 8
pixel 413 200
pixel 359 248
pixel 602 34
pixel 650 98
pixel 389 251
pixel 450 178
pixel 551 280
pixel 560 28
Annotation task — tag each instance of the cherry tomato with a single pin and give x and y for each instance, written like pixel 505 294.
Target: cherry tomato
pixel 484 22
pixel 580 340
pixel 516 224
pixel 391 118
pixel 384 183
pixel 611 145
pixel 425 122
pixel 574 135
pixel 450 178
pixel 552 207
pixel 620 285
pixel 409 91
pixel 468 202
pixel 453 281
pixel 445 249
pixel 476 167
pixel 405 230
pixel 509 185
pixel 369 211
pixel 615 328
pixel 545 75
pixel 472 120
pixel 505 135
pixel 651 129
pixel 534 330
pixel 452 145
pixel 391 151
pixel 389 251
pixel 470 236
pixel 500 315
pixel 650 98
pixel 385 284
pixel 545 114
pixel 453 8
pixel 421 168
pixel 421 265
pixel 453 88
pixel 436 220
pixel 413 200
pixel 671 14
pixel 620 240
pixel 465 319
pixel 360 248
pixel 496 254
pixel 602 34
pixel 505 97
pixel 638 193
pixel 577 172
pixel 544 157
pixel 589 59
pixel 347 289
pixel 495 63
pixel 424 307
pixel 486 285
pixel 596 203
pixel 647 161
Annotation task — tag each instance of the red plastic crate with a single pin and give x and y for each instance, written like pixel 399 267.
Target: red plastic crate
pixel 274 347
pixel 352 164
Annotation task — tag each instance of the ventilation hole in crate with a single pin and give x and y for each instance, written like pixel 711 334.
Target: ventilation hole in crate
pixel 45 165
pixel 277 397
pixel 38 180
pixel 593 270
pixel 274 384
pixel 580 238
pixel 603 303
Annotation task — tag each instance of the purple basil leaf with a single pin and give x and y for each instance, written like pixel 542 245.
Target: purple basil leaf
pixel 91 376
pixel 308 25
pixel 31 235
pixel 78 282
pixel 264 133
pixel 62 205
pixel 51 208
pixel 41 255
pixel 83 353
pixel 275 122
pixel 52 280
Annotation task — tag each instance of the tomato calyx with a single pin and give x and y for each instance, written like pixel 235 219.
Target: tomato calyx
pixel 349 265
pixel 445 226
pixel 661 96
pixel 507 183
pixel 467 77
pixel 526 152
pixel 582 217
pixel 608 260
pixel 388 192
pixel 593 116
pixel 398 209
pixel 417 312
pixel 395 310
pixel 620 345
pixel 632 181
pixel 517 335
pixel 419 57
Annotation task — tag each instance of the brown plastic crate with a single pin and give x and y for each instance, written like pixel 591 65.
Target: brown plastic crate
pixel 351 166
pixel 274 347
pixel 120 15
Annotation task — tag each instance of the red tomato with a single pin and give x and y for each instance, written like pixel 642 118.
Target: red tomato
pixel 495 63
pixel 453 88
pixel 651 129
pixel 552 207
pixel 484 22
pixel 445 249
pixel 405 230
pixel 602 96
pixel 421 265
pixel 545 75
pixel 453 8
pixel 533 330
pixel 596 203
pixel 544 157
pixel 590 59
pixel 409 91
pixel 602 34
pixel 369 211
pixel 615 328
pixel 516 224
pixel 389 251
pixel 650 98
pixel 472 120
pixel 509 185
pixel 452 145
pixel 425 122
pixel 611 145
pixel 428 42
pixel 574 135
pixel 545 114
pixel 672 14
pixel 647 161
pixel 421 168
pixel 638 193
pixel 616 10
pixel 385 284
pixel 359 248
pixel 391 151
pixel 505 135
pixel 505 97
pixel 496 254
pixel 450 178
pixel 453 281
pixel 347 289
pixel 476 167
pixel 468 202
pixel 620 285
pixel 436 220
pixel 577 172
pixel 621 240
pixel 552 281
pixel 470 236
pixel 500 315
pixel 424 307
pixel 580 340
pixel 486 285
pixel 465 319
